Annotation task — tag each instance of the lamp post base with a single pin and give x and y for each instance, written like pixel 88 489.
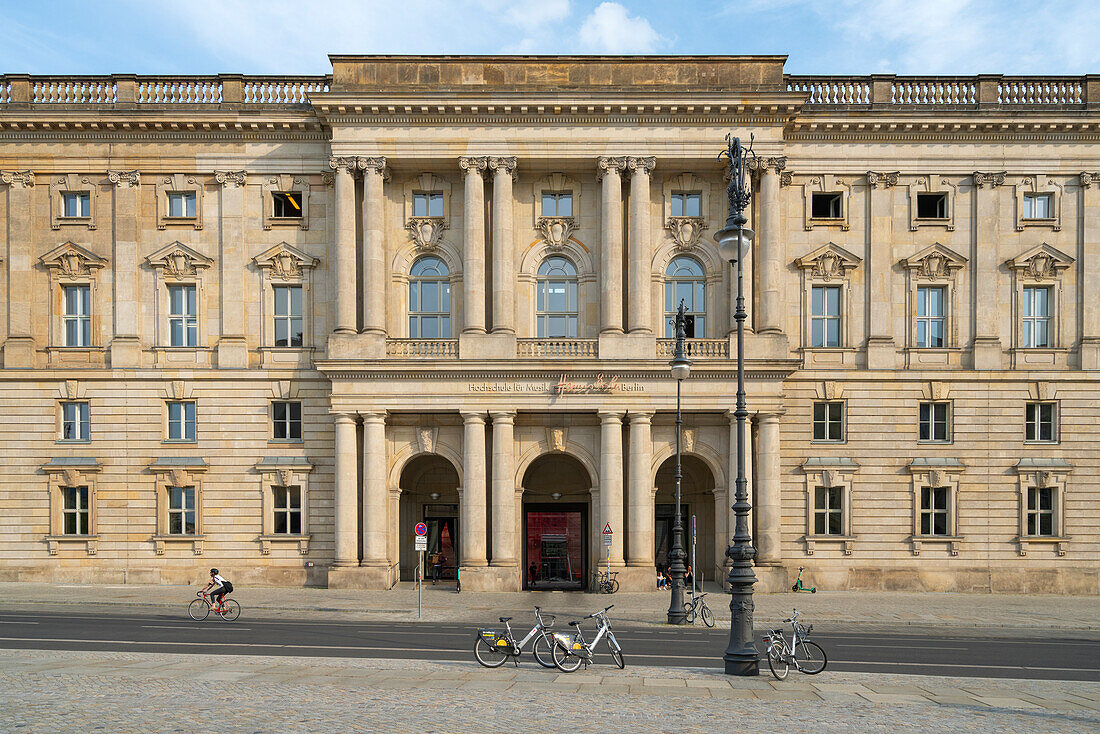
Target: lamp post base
pixel 742 666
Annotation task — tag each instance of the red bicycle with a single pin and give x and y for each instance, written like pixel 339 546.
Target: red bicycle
pixel 199 609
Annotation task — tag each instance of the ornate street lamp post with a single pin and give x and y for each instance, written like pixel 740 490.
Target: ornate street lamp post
pixel 734 240
pixel 681 368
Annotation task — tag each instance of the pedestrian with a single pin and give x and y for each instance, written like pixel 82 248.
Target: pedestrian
pixel 437 566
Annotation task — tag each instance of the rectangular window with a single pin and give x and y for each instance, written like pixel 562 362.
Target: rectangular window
pixel 76 315
pixel 934 511
pixel 1040 511
pixel 182 204
pixel 76 204
pixel 183 316
pixel 74 421
pixel 288 315
pixel 686 204
pixel 1038 206
pixel 934 423
pixel 286 204
pixel 829 421
pixel 286 420
pixel 181 420
pixel 75 513
pixel 1040 422
pixel 427 203
pixel 825 315
pixel 826 205
pixel 931 206
pixel 828 511
pixel 1035 312
pixel 181 511
pixel 288 511
pixel 930 317
pixel 557 203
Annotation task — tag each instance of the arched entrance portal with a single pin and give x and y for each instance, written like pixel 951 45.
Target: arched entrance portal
pixel 697 498
pixel 429 494
pixel 556 501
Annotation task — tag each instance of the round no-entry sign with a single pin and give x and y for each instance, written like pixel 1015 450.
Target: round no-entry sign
pixel 421 529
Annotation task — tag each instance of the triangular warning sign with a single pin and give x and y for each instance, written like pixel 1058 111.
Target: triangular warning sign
pixel 607 529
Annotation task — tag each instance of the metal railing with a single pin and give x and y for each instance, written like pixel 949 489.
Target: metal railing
pixel 554 348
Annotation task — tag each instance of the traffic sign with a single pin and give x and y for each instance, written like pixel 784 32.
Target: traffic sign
pixel 421 543
pixel 607 529
pixel 421 529
pixel 607 540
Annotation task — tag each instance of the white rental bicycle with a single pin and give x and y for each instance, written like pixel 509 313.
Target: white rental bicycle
pixel 806 656
pixel 492 648
pixel 572 650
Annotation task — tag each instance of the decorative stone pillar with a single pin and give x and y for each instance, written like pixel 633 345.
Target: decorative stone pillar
pixel 232 346
pixel 125 342
pixel 375 514
pixel 881 352
pixel 473 245
pixel 987 235
pixel 1090 272
pixel 472 521
pixel 641 250
pixel 504 277
pixel 609 170
pixel 639 545
pixel 769 489
pixel 769 247
pixel 374 246
pixel 504 490
pixel 346 500
pixel 344 264
pixel 611 484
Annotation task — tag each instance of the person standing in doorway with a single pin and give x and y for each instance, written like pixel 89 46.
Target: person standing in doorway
pixel 437 566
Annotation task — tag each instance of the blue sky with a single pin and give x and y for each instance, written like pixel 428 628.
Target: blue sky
pixel 295 36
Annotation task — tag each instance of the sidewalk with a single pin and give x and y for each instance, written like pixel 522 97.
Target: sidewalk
pixel 442 604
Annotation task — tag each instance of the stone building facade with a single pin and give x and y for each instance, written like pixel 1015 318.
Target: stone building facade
pixel 269 324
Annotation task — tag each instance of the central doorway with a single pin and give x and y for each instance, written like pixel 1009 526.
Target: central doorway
pixel 429 494
pixel 556 491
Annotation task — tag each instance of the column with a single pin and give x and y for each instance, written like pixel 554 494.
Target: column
pixel 346 501
pixel 472 521
pixel 374 264
pixel 1090 271
pixel 125 343
pixel 504 277
pixel 767 508
pixel 609 170
pixel 473 246
pixel 987 305
pixel 769 248
pixel 504 490
pixel 611 484
pixel 344 265
pixel 232 347
pixel 641 251
pixel 880 262
pixel 640 491
pixel 375 514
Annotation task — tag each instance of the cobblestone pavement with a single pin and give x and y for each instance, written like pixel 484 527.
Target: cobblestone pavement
pixel 58 691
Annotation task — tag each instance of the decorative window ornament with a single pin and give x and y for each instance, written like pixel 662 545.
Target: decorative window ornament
pixel 426 232
pixel 556 231
pixel 177 261
pixel 686 232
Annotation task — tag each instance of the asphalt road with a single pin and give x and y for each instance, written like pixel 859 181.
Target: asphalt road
pixel 909 652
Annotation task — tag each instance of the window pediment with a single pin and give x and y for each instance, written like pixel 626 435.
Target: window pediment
pixel 935 261
pixel 72 260
pixel 828 261
pixel 177 260
pixel 285 262
pixel 1041 262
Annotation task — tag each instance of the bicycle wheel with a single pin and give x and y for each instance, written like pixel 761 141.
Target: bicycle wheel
pixel 613 586
pixel 565 661
pixel 232 610
pixel 777 661
pixel 616 654
pixel 810 657
pixel 488 655
pixel 544 650
pixel 689 612
pixel 707 615
pixel 198 609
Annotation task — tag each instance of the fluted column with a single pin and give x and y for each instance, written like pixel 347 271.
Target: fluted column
pixel 232 347
pixel 504 490
pixel 19 347
pixel 504 277
pixel 473 245
pixel 472 522
pixel 125 342
pixel 374 246
pixel 609 170
pixel 767 507
pixel 611 484
pixel 987 305
pixel 375 513
pixel 638 287
pixel 346 501
pixel 769 246
pixel 1090 271
pixel 639 546
pixel 880 260
pixel 344 265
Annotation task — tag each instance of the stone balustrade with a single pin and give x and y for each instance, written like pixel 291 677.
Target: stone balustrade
pixel 160 90
pixel 980 92
pixel 695 348
pixel 571 348
pixel 422 348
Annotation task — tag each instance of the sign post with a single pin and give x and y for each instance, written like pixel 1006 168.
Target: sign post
pixel 694 568
pixel 421 539
pixel 607 533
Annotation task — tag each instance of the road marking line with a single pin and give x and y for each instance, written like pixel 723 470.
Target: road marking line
pixel 189 627
pixel 13 621
pixel 902 647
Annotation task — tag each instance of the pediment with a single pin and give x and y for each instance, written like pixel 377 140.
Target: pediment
pixel 829 261
pixel 1041 261
pixel 285 261
pixel 177 260
pixel 935 261
pixel 73 260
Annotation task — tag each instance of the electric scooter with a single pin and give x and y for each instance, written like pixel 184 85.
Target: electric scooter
pixel 798 584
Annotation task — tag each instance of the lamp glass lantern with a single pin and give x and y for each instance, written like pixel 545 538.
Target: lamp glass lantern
pixel 734 241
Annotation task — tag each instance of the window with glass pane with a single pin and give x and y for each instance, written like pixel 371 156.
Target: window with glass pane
pixel 76 204
pixel 286 418
pixel 1038 206
pixel 556 299
pixel 288 315
pixel 557 203
pixel 1040 511
pixel 181 421
pixel 288 510
pixel 74 421
pixel 933 422
pixel 1035 329
pixel 427 203
pixel 825 316
pixel 686 204
pixel 829 421
pixel 930 317
pixel 287 204
pixel 75 513
pixel 685 281
pixel 182 204
pixel 183 316
pixel 77 315
pixel 1039 422
pixel 429 299
pixel 933 511
pixel 829 511
pixel 181 510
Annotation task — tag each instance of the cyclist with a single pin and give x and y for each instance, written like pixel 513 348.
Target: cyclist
pixel 220 586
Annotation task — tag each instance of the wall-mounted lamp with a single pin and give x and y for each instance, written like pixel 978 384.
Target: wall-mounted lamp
pixel 434 496
pixel 556 495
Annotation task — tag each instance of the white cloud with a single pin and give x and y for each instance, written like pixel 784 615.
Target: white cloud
pixel 611 29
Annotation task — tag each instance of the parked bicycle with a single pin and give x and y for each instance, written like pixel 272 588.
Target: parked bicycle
pixel 572 650
pixel 199 609
pixel 605 582
pixel 492 647
pixel 805 655
pixel 698 606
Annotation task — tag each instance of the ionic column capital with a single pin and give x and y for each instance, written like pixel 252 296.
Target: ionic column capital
pixel 344 164
pixel 502 165
pixel 886 180
pixel 373 165
pixel 231 179
pixel 607 164
pixel 18 179
pixel 473 165
pixel 121 179
pixel 1088 179
pixel 761 165
pixel 992 180
pixel 641 164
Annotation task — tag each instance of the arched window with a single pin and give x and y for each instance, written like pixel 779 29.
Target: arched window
pixel 556 307
pixel 685 280
pixel 429 299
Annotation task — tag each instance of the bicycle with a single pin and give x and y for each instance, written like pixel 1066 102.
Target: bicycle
pixel 492 648
pixel 807 656
pixel 605 582
pixel 572 650
pixel 199 609
pixel 698 606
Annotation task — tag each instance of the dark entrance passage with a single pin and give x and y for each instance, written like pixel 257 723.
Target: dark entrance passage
pixel 555 555
pixel 442 522
pixel 429 494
